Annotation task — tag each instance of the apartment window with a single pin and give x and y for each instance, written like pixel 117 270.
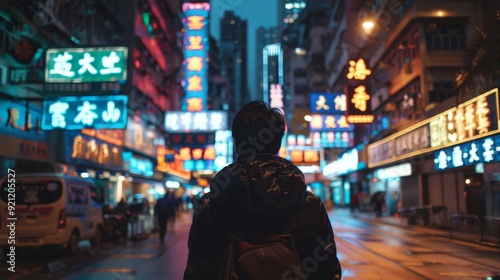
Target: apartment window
pixel 440 91
pixel 445 36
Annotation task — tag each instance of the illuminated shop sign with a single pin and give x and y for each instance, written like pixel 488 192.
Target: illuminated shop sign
pixel 332 123
pixel 81 65
pixel 15 122
pixel 397 171
pixel 78 112
pixel 84 149
pixel 140 137
pixel 207 153
pixel 470 120
pixel 168 162
pixel 327 103
pixel 197 165
pixel 196 44
pixel 358 104
pixel 304 156
pixel 412 141
pixel 471 153
pixel 223 149
pixel 333 139
pixel 322 139
pixel 195 121
pixel 137 164
pixel 347 162
pixel 475 117
pixel 276 98
pixel 309 169
pixel 357 70
pixel 190 139
pixel 113 136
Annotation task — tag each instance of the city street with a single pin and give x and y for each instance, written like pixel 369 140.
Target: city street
pixel 368 248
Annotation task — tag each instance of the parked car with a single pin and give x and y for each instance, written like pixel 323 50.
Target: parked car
pixel 52 209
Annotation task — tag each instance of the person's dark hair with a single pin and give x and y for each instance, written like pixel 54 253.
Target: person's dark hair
pixel 258 129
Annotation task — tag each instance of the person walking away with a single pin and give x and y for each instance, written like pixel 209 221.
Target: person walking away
pixel 260 192
pixel 172 210
pixel 161 210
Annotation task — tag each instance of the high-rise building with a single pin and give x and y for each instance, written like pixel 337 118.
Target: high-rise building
pixel 233 52
pixel 288 11
pixel 265 36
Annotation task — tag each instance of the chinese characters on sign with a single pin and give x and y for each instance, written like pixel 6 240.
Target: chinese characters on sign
pixel 470 153
pixel 357 70
pixel 195 121
pixel 358 104
pixel 475 117
pixel 327 103
pixel 80 65
pixel 72 113
pixel 358 93
pixel 412 141
pixel 81 148
pixel 195 20
pixel 329 123
pixel 190 139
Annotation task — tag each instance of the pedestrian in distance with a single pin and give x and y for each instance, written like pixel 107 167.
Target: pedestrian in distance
pixel 258 221
pixel 162 210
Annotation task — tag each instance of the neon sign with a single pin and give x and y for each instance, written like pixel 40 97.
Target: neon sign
pixel 80 65
pixel 475 117
pixel 75 113
pixel 195 121
pixel 196 46
pixel 358 104
pixel 329 123
pixel 470 153
pixel 357 70
pixel 327 103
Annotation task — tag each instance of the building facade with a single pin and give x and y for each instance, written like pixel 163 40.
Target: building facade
pixel 121 161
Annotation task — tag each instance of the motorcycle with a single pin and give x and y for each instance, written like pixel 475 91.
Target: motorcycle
pixel 116 224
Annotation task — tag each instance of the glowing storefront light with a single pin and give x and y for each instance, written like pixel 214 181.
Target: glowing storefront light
pixel 196 47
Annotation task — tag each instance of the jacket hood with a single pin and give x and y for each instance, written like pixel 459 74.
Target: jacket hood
pixel 263 190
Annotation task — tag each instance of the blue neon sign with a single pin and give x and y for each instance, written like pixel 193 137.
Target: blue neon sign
pixel 78 112
pixel 480 151
pixel 327 103
pixel 196 45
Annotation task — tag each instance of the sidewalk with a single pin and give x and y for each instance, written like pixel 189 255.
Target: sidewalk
pixel 402 222
pixel 145 259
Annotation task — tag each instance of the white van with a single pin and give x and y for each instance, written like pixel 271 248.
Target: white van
pixel 51 209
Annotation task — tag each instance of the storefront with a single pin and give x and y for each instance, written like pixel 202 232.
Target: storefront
pixel 452 157
pixel 20 132
pixel 347 175
pixel 97 154
pixel 393 181
pixel 140 161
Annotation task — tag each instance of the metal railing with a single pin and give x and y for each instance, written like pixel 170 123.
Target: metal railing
pixel 490 229
pixel 462 224
pixel 429 215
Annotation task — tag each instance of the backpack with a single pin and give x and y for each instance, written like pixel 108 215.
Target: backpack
pixel 262 256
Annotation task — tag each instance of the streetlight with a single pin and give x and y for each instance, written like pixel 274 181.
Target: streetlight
pixel 368 25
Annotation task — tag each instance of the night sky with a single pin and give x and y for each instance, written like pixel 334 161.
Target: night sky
pixel 257 13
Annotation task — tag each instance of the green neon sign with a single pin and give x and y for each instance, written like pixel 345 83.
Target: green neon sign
pixel 86 65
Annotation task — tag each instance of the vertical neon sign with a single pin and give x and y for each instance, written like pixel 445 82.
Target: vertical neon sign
pixel 196 44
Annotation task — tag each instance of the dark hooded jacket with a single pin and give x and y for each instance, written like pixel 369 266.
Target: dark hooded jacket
pixel 263 191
